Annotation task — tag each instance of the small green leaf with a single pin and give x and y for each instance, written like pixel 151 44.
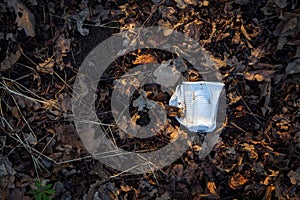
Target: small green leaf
pixel 50 191
pixel 38 184
pixel 38 196
pixel 44 196
pixel 48 186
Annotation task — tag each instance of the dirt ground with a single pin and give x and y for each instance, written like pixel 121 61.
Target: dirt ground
pixel 255 45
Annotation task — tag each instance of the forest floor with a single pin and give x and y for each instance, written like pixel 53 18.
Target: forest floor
pixel 255 46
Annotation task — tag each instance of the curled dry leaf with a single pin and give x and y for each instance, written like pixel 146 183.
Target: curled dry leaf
pixel 144 59
pixel 211 186
pixel 79 18
pixel 251 77
pixel 259 75
pixel 295 177
pixel 233 97
pixel 237 181
pixel 46 67
pixel 126 188
pixel 245 33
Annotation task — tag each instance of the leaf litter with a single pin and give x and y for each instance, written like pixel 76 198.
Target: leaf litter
pixel 258 56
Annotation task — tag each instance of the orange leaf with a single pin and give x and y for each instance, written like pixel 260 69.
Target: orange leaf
pixel 144 59
pixel 237 180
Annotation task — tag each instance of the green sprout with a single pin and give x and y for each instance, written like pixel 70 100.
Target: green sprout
pixel 43 191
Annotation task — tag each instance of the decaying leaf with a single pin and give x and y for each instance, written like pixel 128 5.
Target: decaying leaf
pixel 295 176
pixel 10 60
pixel 293 67
pixel 79 18
pixel 289 25
pixel 31 139
pixel 7 173
pixel 268 9
pixel 25 19
pixel 63 44
pixel 143 103
pixel 281 3
pixel 242 2
pixel 164 72
pixel 193 29
pixel 281 42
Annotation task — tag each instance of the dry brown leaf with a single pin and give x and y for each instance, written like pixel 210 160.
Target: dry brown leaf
pixel 251 77
pixel 295 177
pixel 25 19
pixel 205 3
pixel 245 33
pixel 268 194
pixel 259 75
pixel 46 67
pixel 191 2
pixel 237 180
pixel 51 104
pixel 63 44
pixel 211 186
pixel 126 188
pixel 233 97
pixel 144 59
pixel 220 63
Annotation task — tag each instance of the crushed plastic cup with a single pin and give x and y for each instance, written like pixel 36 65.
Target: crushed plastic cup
pixel 199 103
